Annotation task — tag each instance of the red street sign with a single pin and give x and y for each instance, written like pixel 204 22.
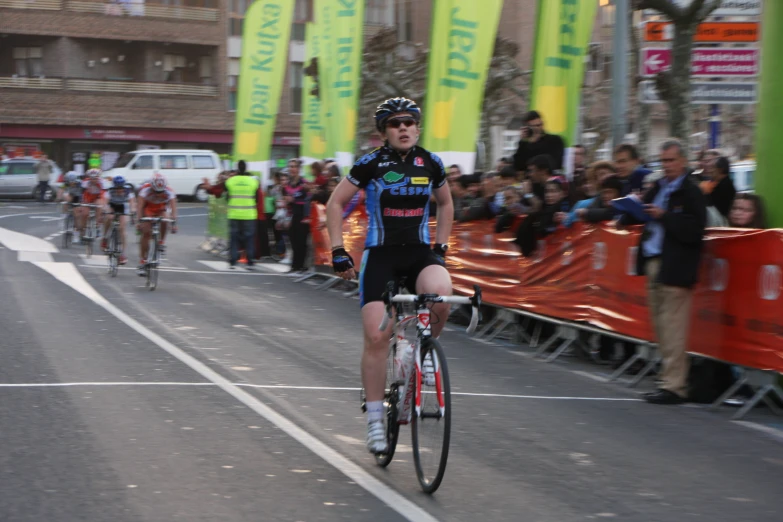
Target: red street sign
pixel 706 61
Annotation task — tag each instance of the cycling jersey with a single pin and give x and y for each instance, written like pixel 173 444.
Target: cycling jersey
pixel 74 190
pixel 120 195
pixel 398 194
pixel 92 190
pixel 119 198
pixel 155 202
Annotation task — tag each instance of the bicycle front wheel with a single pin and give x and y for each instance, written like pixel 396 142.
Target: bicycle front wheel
pixel 67 230
pixel 114 252
pixel 431 425
pixel 152 268
pixel 390 402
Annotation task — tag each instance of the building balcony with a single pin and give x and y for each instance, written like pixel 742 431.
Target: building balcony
pixel 134 87
pixel 112 85
pixel 45 5
pixel 138 8
pixel 129 8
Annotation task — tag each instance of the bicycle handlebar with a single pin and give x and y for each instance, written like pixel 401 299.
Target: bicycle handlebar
pixel 389 297
pixel 167 220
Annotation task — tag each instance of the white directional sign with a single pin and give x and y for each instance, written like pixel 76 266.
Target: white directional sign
pixel 727 8
pixel 707 93
pixel 706 61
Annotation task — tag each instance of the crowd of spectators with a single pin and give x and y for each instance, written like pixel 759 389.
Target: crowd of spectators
pixel 284 217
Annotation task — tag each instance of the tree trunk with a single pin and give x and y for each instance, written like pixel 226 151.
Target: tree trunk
pixel 679 99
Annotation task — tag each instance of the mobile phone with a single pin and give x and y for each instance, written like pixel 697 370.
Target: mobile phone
pixel 527 132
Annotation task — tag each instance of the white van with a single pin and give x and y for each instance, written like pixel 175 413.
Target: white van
pixel 742 174
pixel 183 169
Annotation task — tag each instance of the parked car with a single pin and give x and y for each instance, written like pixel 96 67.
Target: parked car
pixel 19 180
pixel 184 169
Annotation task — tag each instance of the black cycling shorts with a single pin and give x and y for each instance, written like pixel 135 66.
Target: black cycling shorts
pixel 389 263
pixel 118 208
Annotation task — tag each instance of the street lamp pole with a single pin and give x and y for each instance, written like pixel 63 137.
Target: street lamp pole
pixel 620 72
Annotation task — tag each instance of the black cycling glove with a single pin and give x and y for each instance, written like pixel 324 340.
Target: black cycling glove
pixel 440 253
pixel 341 260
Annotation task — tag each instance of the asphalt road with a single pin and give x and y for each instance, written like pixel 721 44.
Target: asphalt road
pixel 232 396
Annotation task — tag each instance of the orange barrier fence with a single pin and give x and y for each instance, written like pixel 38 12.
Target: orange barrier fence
pixel 586 274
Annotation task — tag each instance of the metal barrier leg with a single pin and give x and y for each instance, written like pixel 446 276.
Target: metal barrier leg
pixel 490 325
pixel 499 330
pixel 520 335
pixel 730 392
pixel 624 368
pixel 549 342
pixel 536 335
pixel 762 393
pixel 645 372
pixel 562 348
pixel 306 276
pixel 329 283
pixel 351 293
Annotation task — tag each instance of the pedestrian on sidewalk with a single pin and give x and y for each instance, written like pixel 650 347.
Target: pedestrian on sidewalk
pixel 244 195
pixel 298 198
pixel 43 170
pixel 669 255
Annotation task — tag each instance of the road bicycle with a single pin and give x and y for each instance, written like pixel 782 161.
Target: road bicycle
pixel 90 229
pixel 68 223
pixel 424 400
pixel 114 250
pixel 152 266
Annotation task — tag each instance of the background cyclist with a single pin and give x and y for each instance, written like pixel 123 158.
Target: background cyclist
pixel 121 200
pixel 92 194
pixel 398 180
pixel 155 198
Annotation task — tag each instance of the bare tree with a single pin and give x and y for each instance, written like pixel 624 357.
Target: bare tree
pixel 394 68
pixel 674 85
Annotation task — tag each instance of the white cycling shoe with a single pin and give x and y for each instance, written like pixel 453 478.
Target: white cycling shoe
pixel 376 437
pixel 428 370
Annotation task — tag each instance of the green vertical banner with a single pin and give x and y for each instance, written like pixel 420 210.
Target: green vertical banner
pixel 313 128
pixel 340 76
pixel 562 34
pixel 461 45
pixel 265 41
pixel 769 183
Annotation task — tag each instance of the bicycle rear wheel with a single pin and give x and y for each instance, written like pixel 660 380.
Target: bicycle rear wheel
pixel 67 230
pixel 431 428
pixel 152 267
pixel 390 402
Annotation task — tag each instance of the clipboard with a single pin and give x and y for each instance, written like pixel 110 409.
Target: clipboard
pixel 632 206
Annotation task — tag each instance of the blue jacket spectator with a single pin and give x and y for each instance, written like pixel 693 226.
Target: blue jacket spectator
pixel 629 168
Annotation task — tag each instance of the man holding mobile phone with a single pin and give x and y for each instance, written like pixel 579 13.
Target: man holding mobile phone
pixel 535 142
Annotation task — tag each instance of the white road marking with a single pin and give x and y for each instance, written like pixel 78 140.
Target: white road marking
pixel 321 388
pixel 27 214
pixel 174 270
pixel 68 274
pixel 52 236
pixel 15 207
pixel 16 241
pixel 191 215
pixel 46 218
pixel 769 430
pixel 589 375
pixel 34 256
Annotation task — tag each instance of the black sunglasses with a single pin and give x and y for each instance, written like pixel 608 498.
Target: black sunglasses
pixel 396 123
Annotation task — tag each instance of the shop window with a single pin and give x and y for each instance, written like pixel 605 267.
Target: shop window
pixel 203 162
pixel 173 162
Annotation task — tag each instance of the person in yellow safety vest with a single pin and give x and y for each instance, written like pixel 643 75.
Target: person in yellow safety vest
pixel 242 213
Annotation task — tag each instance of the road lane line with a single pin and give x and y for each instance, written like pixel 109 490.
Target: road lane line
pixel 68 274
pixel 314 388
pixel 188 271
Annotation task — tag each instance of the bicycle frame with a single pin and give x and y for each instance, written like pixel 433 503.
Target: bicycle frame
pixel 423 332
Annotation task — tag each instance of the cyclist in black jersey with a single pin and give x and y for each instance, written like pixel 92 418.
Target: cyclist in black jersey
pixel 398 179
